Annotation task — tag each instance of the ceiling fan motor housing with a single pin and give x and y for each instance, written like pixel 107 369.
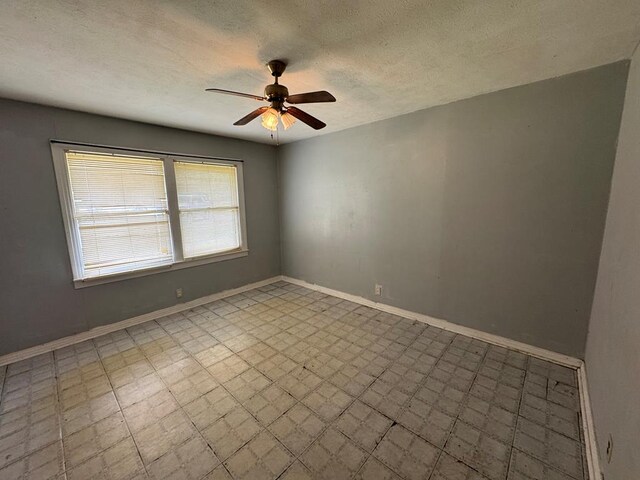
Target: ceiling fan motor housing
pixel 276 94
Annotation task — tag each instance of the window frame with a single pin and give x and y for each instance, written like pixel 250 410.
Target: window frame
pixel 58 150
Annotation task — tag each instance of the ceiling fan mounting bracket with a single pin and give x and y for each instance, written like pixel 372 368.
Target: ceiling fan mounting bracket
pixel 276 67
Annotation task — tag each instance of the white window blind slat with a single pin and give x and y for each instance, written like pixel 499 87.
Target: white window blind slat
pixel 209 208
pixel 120 209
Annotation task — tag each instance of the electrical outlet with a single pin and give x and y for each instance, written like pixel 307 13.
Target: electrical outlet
pixel 178 292
pixel 609 448
pixel 378 290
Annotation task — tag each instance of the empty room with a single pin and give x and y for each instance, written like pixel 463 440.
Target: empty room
pixel 326 240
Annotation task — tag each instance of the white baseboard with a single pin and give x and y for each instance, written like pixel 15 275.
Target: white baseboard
pixel 445 325
pixel 593 461
pixel 588 426
pixel 112 327
pixel 585 405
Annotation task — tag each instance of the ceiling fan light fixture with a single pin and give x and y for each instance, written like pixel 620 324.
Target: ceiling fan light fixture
pixel 277 95
pixel 270 119
pixel 287 120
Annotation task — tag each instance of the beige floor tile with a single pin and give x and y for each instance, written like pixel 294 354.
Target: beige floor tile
pixel 263 457
pixel 247 384
pixel 406 454
pixel 44 464
pixel 363 425
pixel 276 366
pixel 218 473
pixel 210 407
pixel 448 468
pixel 333 456
pixel 269 404
pixel 297 471
pixel 94 439
pixel 327 401
pixel 299 382
pixel 230 432
pixel 27 429
pixel 298 428
pixel 150 410
pixel 162 436
pixel 228 368
pixel 88 412
pixel 190 460
pixel 119 462
pixel 373 469
pixel 139 389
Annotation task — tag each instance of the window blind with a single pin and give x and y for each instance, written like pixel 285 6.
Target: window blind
pixel 209 208
pixel 120 212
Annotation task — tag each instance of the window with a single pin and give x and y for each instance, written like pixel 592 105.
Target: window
pixel 131 213
pixel 209 208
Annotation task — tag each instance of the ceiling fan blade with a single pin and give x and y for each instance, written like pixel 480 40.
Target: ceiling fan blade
pixel 313 122
pixel 311 97
pixel 255 114
pixel 237 94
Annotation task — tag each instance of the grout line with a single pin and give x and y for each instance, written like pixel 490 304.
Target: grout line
pixel 515 428
pixel 180 406
pixel 120 409
pixel 59 412
pixel 222 386
pixel 457 418
pixel 41 447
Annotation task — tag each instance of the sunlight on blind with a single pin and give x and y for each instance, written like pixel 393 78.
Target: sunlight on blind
pixel 121 212
pixel 209 208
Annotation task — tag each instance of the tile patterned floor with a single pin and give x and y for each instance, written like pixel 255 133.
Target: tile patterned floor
pixel 285 382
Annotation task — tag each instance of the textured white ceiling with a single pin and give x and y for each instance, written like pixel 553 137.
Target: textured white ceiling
pixel 151 60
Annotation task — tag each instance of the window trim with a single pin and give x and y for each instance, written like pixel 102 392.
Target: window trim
pixel 58 149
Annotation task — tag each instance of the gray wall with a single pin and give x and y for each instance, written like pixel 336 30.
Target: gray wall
pixel 487 212
pixel 38 302
pixel 613 343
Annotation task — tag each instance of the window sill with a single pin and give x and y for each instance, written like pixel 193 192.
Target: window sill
pixel 191 262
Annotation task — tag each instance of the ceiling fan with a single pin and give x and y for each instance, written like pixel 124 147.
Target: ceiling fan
pixel 277 95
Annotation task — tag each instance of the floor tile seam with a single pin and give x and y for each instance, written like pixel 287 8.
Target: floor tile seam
pixel 58 416
pixel 395 422
pixel 471 467
pixel 459 412
pixel 546 445
pixel 560 405
pixel 399 474
pixel 368 456
pixel 199 433
pixel 435 464
pixel 59 411
pixel 552 430
pixel 475 469
pixel 328 425
pixel 186 415
pixel 332 423
pixel 515 430
pixel 121 410
pixel 428 375
pixel 555 469
pixel 27 454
